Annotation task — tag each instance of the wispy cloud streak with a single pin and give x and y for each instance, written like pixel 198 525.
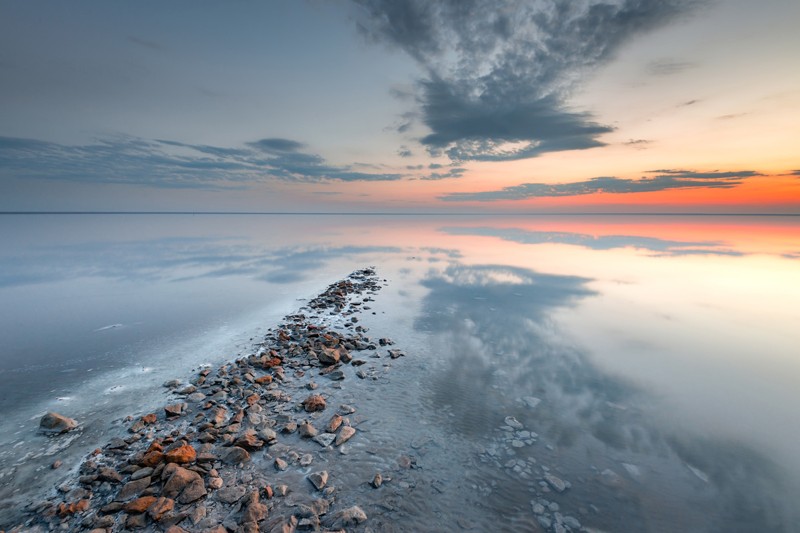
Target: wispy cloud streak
pixel 665 179
pixel 172 164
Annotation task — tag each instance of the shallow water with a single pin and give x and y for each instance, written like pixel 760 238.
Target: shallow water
pixel 655 357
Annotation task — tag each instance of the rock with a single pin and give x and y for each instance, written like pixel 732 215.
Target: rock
pixel 142 472
pixel 280 464
pixel 329 356
pixel 609 478
pixel 178 478
pixel 109 474
pixel 254 511
pixel 152 458
pixel 513 422
pixel 394 354
pixel 139 505
pixel 215 483
pixel 264 380
pixel 133 488
pixel 136 521
pixel 351 516
pixel 531 401
pixel 377 481
pixel 556 483
pixel 315 402
pixel 196 397
pixel 56 464
pixel 172 384
pixel 319 479
pixel 160 507
pixel 249 441
pixel 235 455
pixel 325 439
pixel 336 375
pixel 345 434
pixel 182 455
pixel 176 409
pixel 230 495
pixel 56 424
pixel 268 435
pixel 334 423
pixel 193 492
pixel 307 430
pixel 117 444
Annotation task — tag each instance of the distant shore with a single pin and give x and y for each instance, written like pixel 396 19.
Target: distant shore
pixel 245 447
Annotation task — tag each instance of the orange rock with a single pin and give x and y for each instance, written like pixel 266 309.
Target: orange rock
pixel 149 419
pixel 269 363
pixel 155 446
pixel 65 509
pixel 252 399
pixel 139 505
pixel 160 507
pixel 184 454
pixel 315 402
pixel 264 380
pixel 152 458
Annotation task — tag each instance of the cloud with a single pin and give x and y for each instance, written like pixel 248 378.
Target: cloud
pixel 454 172
pixel 403 151
pixel 172 164
pixel 639 144
pixel 498 73
pixel 688 103
pixel 278 145
pixel 668 67
pixel 664 179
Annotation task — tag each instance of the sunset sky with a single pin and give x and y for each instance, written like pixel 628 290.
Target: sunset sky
pixel 400 106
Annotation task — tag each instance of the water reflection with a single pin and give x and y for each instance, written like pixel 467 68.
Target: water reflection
pixel 173 259
pixel 500 347
pixel 597 242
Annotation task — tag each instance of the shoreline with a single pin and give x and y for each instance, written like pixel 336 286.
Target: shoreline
pixel 245 447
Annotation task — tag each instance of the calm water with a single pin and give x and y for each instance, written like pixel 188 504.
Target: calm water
pixel 656 358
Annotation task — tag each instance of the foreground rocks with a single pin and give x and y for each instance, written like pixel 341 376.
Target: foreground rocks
pixel 200 463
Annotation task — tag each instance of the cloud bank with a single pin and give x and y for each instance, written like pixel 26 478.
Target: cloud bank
pixel 665 179
pixel 498 73
pixel 172 164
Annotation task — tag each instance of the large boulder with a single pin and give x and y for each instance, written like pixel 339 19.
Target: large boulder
pixel 56 424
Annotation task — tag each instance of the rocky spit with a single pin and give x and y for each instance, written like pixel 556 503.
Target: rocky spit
pixel 242 448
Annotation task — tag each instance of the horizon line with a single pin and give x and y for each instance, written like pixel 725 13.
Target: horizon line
pixel 405 213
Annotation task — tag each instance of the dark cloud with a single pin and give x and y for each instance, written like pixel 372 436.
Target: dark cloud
pixel 454 172
pixel 663 180
pixel 404 152
pixel 277 145
pixel 499 72
pixel 795 172
pixel 688 103
pixel 165 163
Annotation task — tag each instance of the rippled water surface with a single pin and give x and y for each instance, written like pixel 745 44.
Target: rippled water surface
pixel 649 364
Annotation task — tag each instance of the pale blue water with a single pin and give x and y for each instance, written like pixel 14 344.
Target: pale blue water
pixel 662 352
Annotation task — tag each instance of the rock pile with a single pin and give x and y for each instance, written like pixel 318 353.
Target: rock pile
pixel 199 463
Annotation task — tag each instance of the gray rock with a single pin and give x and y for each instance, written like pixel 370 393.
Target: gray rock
pixel 351 516
pixel 230 495
pixel 556 483
pixel 325 439
pixel 513 422
pixel 319 479
pixel 235 455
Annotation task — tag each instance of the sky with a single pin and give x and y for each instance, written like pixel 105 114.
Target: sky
pixel 525 106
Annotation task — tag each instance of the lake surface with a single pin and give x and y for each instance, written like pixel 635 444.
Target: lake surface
pixel 652 362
